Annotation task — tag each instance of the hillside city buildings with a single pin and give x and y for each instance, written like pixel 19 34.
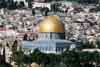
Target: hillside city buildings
pixel 77 23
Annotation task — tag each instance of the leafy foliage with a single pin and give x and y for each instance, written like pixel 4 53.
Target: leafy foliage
pixel 70 58
pixel 87 45
pixel 19 57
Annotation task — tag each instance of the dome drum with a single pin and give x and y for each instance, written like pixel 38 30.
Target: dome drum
pixel 51 35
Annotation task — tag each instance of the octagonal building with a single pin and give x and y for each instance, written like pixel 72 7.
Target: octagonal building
pixel 51 37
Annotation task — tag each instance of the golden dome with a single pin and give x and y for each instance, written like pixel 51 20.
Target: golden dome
pixel 51 24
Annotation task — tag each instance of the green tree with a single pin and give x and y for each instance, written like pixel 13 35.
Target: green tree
pixel 18 57
pixel 89 57
pixel 38 57
pixel 46 60
pixel 87 45
pixel 27 59
pixel 53 60
pixel 71 58
pixel 98 44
